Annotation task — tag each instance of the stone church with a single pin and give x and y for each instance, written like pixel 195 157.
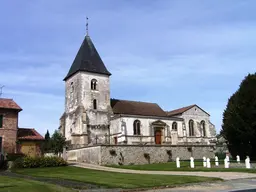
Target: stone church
pixel 92 118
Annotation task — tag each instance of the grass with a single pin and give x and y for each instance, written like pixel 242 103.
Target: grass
pixel 8 184
pixel 184 166
pixel 111 179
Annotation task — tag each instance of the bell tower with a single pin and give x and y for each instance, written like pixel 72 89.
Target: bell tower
pixel 87 98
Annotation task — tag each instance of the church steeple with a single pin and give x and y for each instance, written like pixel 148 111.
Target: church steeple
pixel 87 59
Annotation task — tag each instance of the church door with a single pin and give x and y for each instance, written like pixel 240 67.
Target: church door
pixel 158 136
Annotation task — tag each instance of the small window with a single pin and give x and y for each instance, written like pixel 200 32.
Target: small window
pixel 1 121
pixel 94 104
pixel 72 87
pixel 93 84
pixel 174 126
pixel 136 127
pixel 203 129
pixel 191 127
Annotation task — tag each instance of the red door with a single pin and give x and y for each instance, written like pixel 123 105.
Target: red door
pixel 158 136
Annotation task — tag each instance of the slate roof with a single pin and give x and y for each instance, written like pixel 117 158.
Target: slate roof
pixel 136 108
pixel 28 134
pixel 9 104
pixel 87 59
pixel 182 110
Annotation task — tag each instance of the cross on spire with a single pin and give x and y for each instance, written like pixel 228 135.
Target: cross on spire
pixel 87 30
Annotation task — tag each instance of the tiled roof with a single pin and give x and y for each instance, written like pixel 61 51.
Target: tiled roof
pixel 136 108
pixel 28 134
pixel 9 104
pixel 87 59
pixel 182 110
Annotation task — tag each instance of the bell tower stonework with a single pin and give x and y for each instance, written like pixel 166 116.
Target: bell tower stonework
pixel 87 113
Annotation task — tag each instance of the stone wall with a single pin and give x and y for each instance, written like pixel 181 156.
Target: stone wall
pixel 90 155
pixel 132 154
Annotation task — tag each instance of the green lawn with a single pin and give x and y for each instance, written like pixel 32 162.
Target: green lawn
pixel 8 184
pixel 111 179
pixel 184 166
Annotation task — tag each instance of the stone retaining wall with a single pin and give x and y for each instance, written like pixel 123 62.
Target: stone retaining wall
pixel 127 154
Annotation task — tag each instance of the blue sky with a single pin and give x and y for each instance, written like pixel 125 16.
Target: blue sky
pixel 174 53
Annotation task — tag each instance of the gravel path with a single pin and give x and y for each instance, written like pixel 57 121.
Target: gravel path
pixel 222 175
pixel 245 185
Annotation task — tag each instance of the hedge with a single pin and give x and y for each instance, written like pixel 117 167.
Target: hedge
pixel 14 156
pixel 33 162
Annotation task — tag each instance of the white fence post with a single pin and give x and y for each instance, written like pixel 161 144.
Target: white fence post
pixel 192 163
pixel 216 161
pixel 226 163
pixel 238 159
pixel 204 162
pixel 178 162
pixel 247 163
pixel 208 163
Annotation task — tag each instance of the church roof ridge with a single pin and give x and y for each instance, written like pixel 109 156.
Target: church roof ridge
pixel 136 108
pixel 133 101
pixel 182 110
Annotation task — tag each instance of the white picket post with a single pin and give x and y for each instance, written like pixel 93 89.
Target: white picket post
pixel 216 161
pixel 192 164
pixel 204 162
pixel 226 163
pixel 247 163
pixel 238 159
pixel 178 162
pixel 208 163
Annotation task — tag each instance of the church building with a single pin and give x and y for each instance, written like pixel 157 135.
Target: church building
pixel 92 118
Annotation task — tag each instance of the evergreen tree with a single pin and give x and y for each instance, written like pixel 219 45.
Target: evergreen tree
pixel 47 142
pixel 58 142
pixel 47 136
pixel 239 119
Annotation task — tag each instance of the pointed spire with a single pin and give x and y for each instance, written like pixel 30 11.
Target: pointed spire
pixel 87 25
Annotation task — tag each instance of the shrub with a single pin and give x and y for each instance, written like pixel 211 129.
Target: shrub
pixel 146 155
pixel 14 156
pixel 33 162
pixel 112 152
pixel 3 164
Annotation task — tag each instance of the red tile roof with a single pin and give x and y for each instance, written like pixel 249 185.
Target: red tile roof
pixel 136 108
pixel 28 134
pixel 182 110
pixel 9 104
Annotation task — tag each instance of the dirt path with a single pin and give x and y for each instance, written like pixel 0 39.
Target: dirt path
pixel 248 185
pixel 222 175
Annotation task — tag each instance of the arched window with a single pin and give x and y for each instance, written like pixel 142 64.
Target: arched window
pixel 191 127
pixel 174 126
pixel 93 84
pixel 94 104
pixel 203 129
pixel 136 127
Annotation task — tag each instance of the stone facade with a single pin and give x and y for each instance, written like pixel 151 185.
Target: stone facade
pixel 198 115
pixel 85 124
pixel 122 129
pixel 9 130
pixel 136 154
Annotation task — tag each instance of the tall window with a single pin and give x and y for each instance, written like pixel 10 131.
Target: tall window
pixel 93 84
pixel 191 127
pixel 203 128
pixel 174 126
pixel 94 104
pixel 1 121
pixel 136 127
